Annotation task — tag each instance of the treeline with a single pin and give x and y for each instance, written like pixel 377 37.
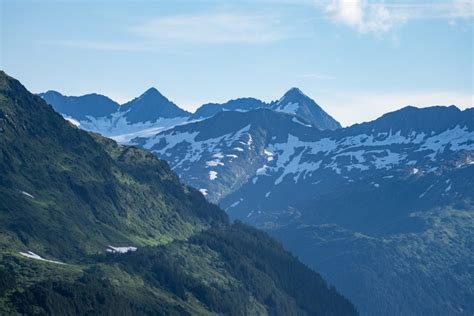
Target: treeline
pixel 265 275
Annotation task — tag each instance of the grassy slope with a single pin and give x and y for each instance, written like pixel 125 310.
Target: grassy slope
pixel 88 192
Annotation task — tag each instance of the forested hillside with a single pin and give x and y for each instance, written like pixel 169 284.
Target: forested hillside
pixel 92 227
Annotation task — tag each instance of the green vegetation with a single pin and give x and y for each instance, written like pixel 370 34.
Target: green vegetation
pixel 67 195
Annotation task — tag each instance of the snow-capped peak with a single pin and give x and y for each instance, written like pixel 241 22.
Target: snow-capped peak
pixel 294 101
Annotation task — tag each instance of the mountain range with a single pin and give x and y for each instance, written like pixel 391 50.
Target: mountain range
pixel 91 227
pixel 152 112
pixel 383 209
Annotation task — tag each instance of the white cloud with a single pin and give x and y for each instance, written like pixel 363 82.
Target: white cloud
pixel 213 28
pixel 378 17
pixel 97 45
pixel 354 108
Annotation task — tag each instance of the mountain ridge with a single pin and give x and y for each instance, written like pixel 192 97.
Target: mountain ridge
pixel 371 194
pixel 152 111
pixel 92 227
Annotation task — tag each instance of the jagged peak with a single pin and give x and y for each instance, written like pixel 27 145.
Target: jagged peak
pixel 152 92
pixel 295 90
pixel 293 93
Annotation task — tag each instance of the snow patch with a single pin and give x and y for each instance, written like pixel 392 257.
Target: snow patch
pixel 32 255
pixel 235 203
pixel 117 127
pixel 71 120
pixel 214 163
pixel 296 120
pixel 448 188
pixel 27 194
pixel 455 139
pixel 212 175
pixel 120 249
pixel 290 108
pixel 218 155
pixel 426 191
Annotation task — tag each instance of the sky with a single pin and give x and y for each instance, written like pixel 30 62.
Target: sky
pixel 357 59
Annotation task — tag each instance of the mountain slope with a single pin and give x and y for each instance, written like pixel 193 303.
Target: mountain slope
pixel 222 153
pixel 145 115
pixel 241 105
pixel 394 197
pixel 75 208
pixel 57 176
pixel 294 101
pixel 94 105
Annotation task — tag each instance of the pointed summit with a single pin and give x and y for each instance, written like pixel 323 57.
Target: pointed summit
pixel 294 92
pixel 152 92
pixel 153 95
pixel 150 107
pixel 294 101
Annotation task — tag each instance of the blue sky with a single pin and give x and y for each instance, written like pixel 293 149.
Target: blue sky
pixel 357 59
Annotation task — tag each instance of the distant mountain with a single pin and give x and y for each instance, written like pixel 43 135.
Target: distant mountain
pixel 222 153
pixel 145 115
pixel 294 101
pixel 90 227
pixel 150 107
pixel 152 112
pixel 384 209
pixel 241 105
pixel 79 108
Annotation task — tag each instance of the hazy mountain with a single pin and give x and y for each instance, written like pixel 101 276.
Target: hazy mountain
pixel 294 101
pixel 143 116
pixel 150 107
pixel 92 227
pixel 384 209
pixel 152 112
pixel 79 108
pixel 241 105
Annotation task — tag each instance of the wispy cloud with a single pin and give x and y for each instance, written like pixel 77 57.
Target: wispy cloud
pixel 316 76
pixel 379 17
pixel 213 28
pixel 97 45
